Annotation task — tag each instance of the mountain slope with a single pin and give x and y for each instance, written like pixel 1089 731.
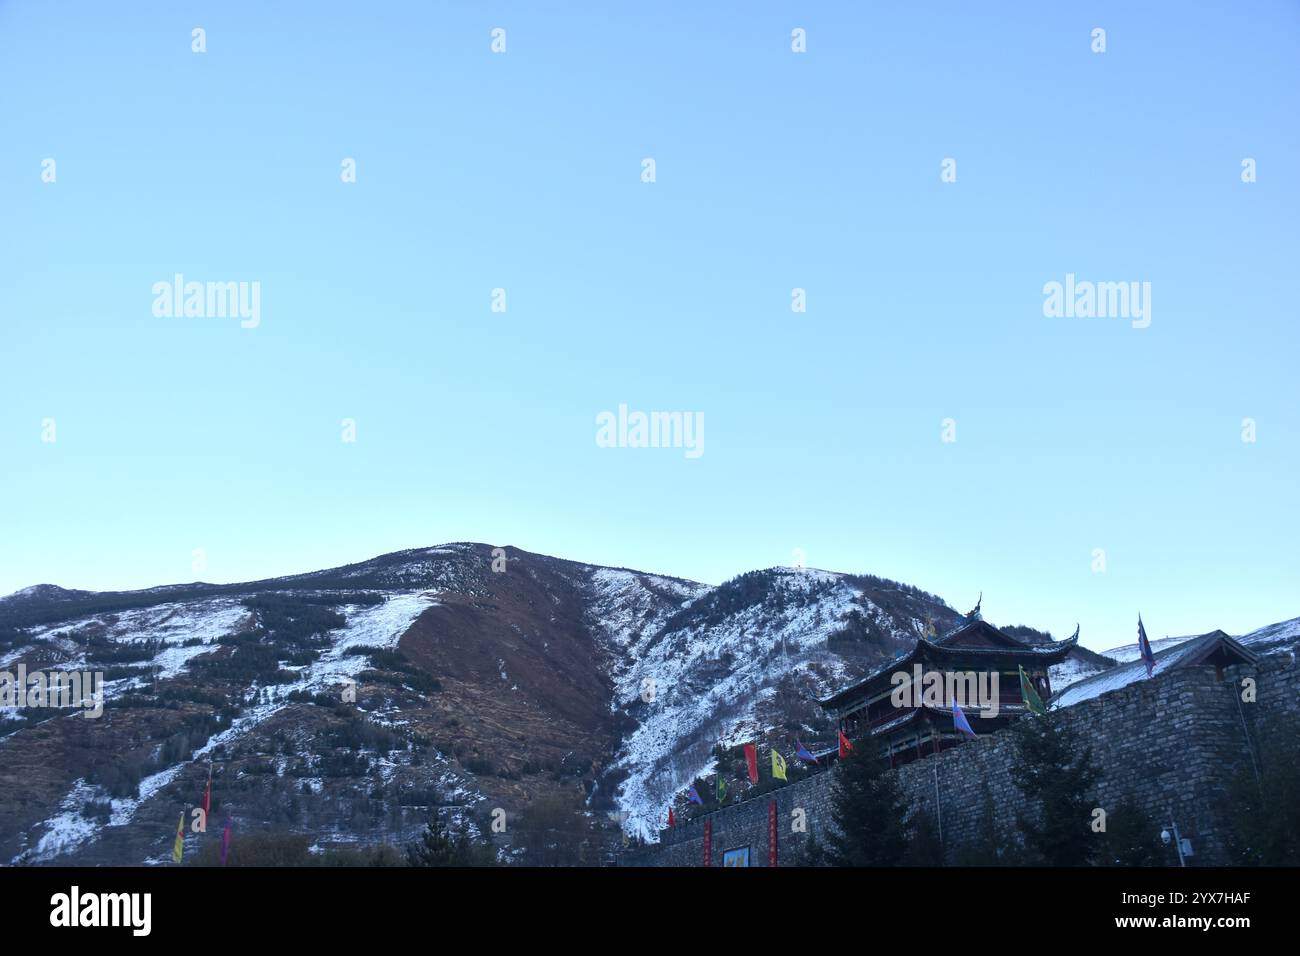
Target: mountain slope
pixel 712 671
pixel 346 704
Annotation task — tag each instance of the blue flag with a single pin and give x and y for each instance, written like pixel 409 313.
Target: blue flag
pixel 959 719
pixel 802 753
pixel 694 797
pixel 1145 647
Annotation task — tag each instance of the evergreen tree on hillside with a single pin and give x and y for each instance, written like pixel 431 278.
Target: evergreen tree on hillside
pixel 1055 770
pixel 1265 812
pixel 868 808
pixel 438 846
pixel 1132 836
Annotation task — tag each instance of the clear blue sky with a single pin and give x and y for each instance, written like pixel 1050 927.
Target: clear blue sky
pixel 775 170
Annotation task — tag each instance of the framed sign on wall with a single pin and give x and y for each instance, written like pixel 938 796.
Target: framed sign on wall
pixel 736 857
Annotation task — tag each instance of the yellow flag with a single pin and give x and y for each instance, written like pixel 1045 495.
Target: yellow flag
pixel 178 847
pixel 778 766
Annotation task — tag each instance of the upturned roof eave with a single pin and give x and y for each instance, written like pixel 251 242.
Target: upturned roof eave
pixel 1047 653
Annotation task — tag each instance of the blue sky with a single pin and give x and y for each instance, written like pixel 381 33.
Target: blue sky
pixel 774 170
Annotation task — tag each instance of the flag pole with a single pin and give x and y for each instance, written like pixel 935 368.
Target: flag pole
pixel 938 811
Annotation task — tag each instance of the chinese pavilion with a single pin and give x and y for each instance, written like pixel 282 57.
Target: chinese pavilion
pixel 922 723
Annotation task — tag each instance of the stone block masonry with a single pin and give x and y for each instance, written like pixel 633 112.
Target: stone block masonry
pixel 1173 743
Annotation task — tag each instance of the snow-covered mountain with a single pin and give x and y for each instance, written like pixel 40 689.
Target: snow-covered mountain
pixel 481 680
pixel 708 666
pixel 1265 640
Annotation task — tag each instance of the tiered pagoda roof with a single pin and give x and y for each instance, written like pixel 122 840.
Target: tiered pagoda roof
pixel 974 642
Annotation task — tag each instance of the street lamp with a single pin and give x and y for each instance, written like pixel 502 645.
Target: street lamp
pixel 1184 847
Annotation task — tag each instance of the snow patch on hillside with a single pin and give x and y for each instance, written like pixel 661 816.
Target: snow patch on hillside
pixel 705 681
pixel 377 626
pixel 204 621
pixel 1274 638
pixel 1271 639
pixel 1071 671
pixel 628 607
pixel 1130 652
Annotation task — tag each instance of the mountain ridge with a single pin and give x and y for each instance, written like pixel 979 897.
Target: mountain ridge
pixel 485 678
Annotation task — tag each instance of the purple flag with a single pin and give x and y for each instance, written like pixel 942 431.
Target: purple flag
pixel 959 719
pixel 225 842
pixel 694 796
pixel 802 753
pixel 1145 647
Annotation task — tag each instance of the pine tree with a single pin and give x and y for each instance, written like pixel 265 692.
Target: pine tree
pixel 868 807
pixel 924 845
pixel 1265 812
pixel 1132 836
pixel 1055 770
pixel 811 854
pixel 437 847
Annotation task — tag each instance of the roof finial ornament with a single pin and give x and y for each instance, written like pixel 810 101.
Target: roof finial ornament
pixel 1075 636
pixel 929 632
pixel 974 613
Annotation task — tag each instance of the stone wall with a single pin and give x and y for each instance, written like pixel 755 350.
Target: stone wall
pixel 1172 742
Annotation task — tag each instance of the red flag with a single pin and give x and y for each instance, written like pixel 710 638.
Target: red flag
pixel 751 761
pixel 670 816
pixel 207 799
pixel 845 747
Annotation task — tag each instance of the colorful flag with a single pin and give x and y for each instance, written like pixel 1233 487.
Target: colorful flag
pixel 1033 703
pixel 671 822
pixel 694 796
pixel 720 788
pixel 178 848
pixel 803 753
pixel 751 762
pixel 225 842
pixel 959 719
pixel 846 748
pixel 778 766
pixel 1145 647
